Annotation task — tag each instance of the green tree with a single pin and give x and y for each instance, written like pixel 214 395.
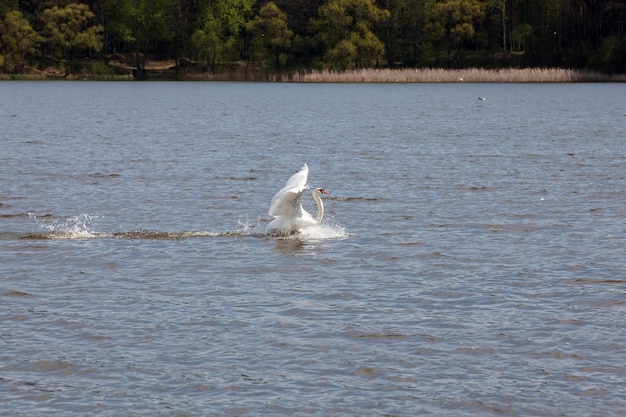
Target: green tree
pixel 70 30
pixel 18 41
pixel 221 35
pixel 345 32
pixel 519 35
pixel 451 22
pixel 610 57
pixel 7 6
pixel 271 35
pixel 299 16
pixel 140 24
pixel 402 32
pixel 206 43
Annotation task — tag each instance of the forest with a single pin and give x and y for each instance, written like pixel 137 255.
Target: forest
pixel 109 36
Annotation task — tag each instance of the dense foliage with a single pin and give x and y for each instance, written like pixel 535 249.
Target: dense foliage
pixel 283 35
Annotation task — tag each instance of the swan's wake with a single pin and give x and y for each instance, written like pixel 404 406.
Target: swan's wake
pixel 80 228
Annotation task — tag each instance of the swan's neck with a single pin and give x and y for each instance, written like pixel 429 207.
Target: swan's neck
pixel 320 207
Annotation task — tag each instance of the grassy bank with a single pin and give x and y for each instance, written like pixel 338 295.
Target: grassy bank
pixel 471 75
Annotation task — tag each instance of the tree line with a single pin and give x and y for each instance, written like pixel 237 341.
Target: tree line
pixel 286 35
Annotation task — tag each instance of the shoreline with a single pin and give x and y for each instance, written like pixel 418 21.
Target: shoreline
pixel 393 76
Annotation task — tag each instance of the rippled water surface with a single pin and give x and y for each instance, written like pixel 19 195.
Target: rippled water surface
pixel 471 260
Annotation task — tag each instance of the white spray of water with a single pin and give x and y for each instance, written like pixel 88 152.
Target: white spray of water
pixel 322 232
pixel 76 227
pixel 247 226
pixel 326 230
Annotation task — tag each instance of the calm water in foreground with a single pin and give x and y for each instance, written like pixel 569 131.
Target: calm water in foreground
pixel 471 261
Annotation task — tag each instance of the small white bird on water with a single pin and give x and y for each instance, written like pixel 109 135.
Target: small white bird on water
pixel 286 207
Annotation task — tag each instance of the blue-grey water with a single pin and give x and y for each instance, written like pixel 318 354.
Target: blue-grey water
pixel 471 261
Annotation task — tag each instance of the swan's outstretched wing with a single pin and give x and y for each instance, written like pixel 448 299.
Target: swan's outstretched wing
pixel 288 204
pixel 288 201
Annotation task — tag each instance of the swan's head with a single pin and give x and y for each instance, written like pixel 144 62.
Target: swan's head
pixel 320 191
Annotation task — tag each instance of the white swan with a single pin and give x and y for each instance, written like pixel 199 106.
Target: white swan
pixel 286 207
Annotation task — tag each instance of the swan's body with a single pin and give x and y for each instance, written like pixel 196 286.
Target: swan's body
pixel 286 207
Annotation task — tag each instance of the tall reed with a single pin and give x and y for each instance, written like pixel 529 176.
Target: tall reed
pixel 473 75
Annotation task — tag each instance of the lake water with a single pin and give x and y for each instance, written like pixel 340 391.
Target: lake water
pixel 471 260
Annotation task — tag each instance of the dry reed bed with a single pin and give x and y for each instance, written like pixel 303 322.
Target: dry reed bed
pixel 472 75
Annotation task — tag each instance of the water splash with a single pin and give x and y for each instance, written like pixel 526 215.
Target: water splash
pixel 324 231
pixel 247 226
pixel 76 227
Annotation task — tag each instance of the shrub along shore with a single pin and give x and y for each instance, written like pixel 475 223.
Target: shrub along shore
pixel 407 75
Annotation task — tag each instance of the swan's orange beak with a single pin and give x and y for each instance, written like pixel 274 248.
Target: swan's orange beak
pixel 323 191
